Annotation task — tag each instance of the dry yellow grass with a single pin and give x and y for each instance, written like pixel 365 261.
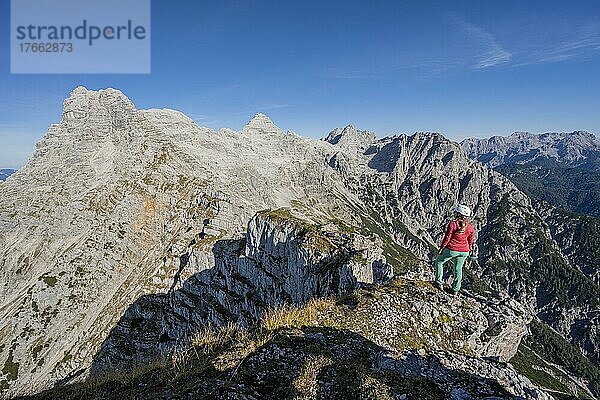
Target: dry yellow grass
pixel 209 337
pixel 223 348
pixel 294 317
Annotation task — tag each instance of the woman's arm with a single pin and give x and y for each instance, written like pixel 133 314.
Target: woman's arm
pixel 447 237
pixel 471 237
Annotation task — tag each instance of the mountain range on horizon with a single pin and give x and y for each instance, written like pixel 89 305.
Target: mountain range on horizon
pixel 560 168
pixel 511 146
pixel 578 148
pixel 129 231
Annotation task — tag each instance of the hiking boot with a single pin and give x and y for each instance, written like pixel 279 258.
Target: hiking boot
pixel 450 291
pixel 438 285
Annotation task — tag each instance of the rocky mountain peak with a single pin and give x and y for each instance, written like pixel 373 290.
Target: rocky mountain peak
pixel 350 137
pixel 519 135
pixel 428 135
pixel 98 130
pixel 583 138
pixel 81 100
pixel 261 123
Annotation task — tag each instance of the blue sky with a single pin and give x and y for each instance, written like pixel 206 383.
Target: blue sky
pixel 462 68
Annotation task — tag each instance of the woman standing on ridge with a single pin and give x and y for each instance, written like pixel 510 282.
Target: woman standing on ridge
pixel 457 243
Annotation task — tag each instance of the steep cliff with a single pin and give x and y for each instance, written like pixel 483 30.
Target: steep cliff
pixel 298 314
pixel 282 260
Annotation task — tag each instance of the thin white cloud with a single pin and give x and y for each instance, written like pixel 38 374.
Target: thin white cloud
pixel 426 67
pixel 495 57
pixel 481 50
pixel 578 45
pixel 491 52
pixel 197 117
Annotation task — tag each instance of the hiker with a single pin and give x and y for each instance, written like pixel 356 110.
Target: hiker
pixel 456 246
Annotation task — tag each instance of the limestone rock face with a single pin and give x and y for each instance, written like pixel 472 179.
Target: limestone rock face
pixel 282 260
pixel 351 138
pixel 127 221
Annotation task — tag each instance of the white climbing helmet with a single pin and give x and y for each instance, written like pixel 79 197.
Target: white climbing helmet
pixel 463 210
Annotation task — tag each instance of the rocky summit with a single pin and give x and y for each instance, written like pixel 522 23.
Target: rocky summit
pixel 143 256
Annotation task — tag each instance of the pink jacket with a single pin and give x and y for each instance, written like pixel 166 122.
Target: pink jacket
pixel 456 241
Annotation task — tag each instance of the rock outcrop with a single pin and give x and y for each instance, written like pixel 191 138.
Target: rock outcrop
pixel 308 362
pixel 282 260
pixel 384 342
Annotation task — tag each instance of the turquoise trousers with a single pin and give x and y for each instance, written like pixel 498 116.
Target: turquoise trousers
pixel 458 258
